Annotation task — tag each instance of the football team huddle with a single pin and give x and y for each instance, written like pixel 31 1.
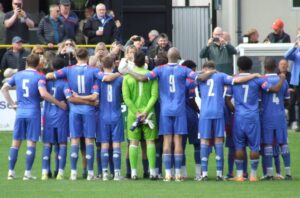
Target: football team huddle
pixel 83 104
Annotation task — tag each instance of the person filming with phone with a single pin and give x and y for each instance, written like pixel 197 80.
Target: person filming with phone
pixel 17 22
pixel 220 51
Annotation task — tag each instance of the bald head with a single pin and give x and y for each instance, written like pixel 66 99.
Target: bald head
pixel 173 55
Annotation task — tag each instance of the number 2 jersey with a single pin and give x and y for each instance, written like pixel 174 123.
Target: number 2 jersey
pixel 172 87
pixel 273 114
pixel 212 91
pixel 27 84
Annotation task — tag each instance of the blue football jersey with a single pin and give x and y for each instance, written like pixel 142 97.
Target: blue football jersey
pixel 246 96
pixel 212 95
pixel 81 79
pixel 27 84
pixel 53 115
pixel 273 113
pixel 110 100
pixel 172 87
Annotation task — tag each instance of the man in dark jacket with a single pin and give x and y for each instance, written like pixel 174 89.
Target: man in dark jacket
pixel 278 36
pixel 101 27
pixel 219 51
pixel 14 58
pixel 69 19
pixel 51 29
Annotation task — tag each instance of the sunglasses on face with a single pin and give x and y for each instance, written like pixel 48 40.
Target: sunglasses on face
pixel 69 44
pixel 39 53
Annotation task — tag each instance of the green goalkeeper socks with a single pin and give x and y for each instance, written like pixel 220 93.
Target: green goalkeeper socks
pixel 151 155
pixel 133 156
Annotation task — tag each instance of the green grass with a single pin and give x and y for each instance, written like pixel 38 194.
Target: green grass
pixel 142 188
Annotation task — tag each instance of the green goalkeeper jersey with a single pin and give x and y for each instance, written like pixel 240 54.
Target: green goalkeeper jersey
pixel 139 96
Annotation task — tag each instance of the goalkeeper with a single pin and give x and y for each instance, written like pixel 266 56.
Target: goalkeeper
pixel 140 97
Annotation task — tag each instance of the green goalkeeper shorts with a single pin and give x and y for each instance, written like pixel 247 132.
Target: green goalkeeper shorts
pixel 148 133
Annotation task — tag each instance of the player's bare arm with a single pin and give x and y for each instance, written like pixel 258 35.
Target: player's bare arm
pixel 278 86
pixel 45 95
pixel 243 79
pixel 5 91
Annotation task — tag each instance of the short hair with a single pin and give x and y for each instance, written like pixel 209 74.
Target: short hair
pixel 129 47
pixel 244 63
pixel 209 64
pixel 154 32
pixel 190 64
pixel 163 35
pixel 161 58
pixel 270 64
pixel 107 62
pixel 33 60
pixel 137 38
pixel 139 58
pixel 52 6
pixel 82 53
pixel 58 63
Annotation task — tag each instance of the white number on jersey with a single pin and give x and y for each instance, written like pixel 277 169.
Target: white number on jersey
pixel 210 83
pixel 81 84
pixel 140 88
pixel 172 84
pixel 246 87
pixel 275 99
pixel 109 93
pixel 54 93
pixel 25 88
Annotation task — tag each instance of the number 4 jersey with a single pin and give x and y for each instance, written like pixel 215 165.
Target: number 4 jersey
pixel 27 83
pixel 273 104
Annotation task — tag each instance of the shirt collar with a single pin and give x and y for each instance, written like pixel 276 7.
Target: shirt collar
pixel 273 74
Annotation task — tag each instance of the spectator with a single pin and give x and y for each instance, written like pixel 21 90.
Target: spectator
pixel 293 54
pixel 101 27
pixel 219 51
pixel 51 29
pixel 15 58
pixel 17 22
pixel 67 52
pixel 152 39
pixel 278 36
pixel 80 37
pixel 39 50
pixel 252 35
pixel 100 52
pixel 118 34
pixel 116 50
pixel 283 68
pixel 69 18
pixel 163 45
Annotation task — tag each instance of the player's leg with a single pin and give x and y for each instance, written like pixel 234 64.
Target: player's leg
pixel 133 157
pixel 178 156
pixel 239 139
pixel 12 158
pixel 219 128
pixel 110 160
pixel 56 151
pixel 167 155
pixel 159 152
pixel 267 140
pixel 117 138
pixel 285 153
pixel 205 131
pixel 127 161
pixel 98 159
pixel 104 160
pixel 82 148
pixel 33 133
pixel 90 153
pixel 230 161
pixel 30 156
pixel 46 160
pixel 183 165
pixel 144 158
pixel 276 157
pixel 62 151
pixel 197 159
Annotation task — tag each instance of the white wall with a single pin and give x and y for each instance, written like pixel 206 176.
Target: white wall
pixel 258 14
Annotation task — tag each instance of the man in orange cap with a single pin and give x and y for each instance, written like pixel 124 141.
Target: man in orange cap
pixel 278 36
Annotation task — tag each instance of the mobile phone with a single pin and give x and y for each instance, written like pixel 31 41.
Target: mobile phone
pixel 216 39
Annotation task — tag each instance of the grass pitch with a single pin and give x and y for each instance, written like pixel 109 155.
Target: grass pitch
pixel 142 188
